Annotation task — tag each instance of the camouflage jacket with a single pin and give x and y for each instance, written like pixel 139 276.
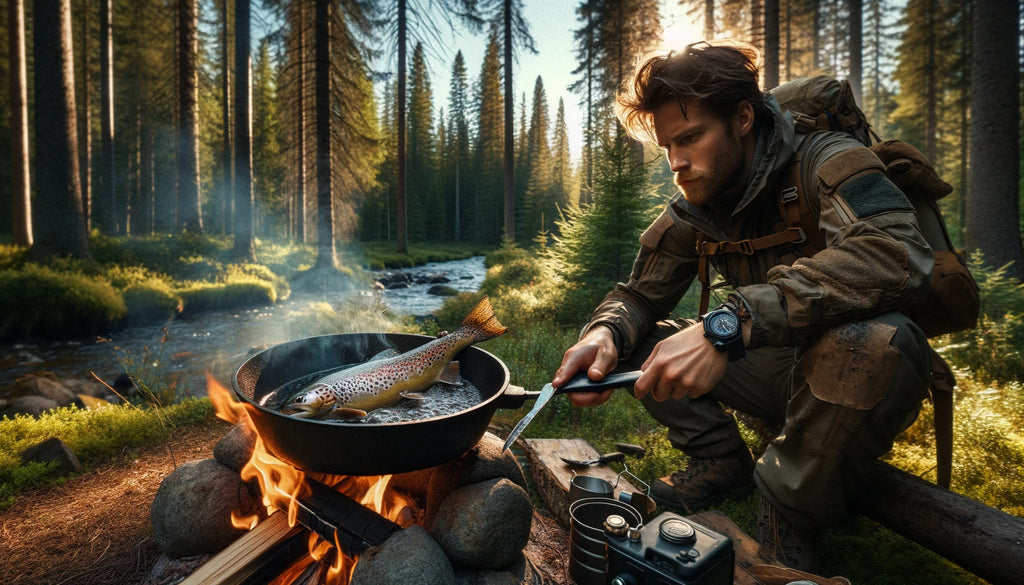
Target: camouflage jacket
pixel 875 260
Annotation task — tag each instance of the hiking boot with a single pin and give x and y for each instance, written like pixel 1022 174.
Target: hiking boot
pixel 795 548
pixel 706 482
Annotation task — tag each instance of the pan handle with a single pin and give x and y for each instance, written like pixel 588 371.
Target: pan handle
pixel 515 396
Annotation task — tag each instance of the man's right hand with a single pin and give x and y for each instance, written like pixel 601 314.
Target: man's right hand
pixel 595 354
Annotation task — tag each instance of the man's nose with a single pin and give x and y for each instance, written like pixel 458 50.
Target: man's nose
pixel 678 161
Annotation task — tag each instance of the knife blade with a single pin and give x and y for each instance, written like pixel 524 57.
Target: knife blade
pixel 578 383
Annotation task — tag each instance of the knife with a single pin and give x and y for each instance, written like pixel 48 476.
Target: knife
pixel 578 383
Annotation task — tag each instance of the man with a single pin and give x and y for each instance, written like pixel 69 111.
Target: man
pixel 817 344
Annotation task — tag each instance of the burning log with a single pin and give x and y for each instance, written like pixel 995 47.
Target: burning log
pixel 265 550
pixel 340 520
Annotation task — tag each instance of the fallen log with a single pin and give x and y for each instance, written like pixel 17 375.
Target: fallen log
pixel 981 539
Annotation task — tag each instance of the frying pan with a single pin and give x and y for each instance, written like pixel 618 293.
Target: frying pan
pixel 355 448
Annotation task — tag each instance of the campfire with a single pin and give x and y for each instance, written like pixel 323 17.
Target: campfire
pixel 469 515
pixel 290 490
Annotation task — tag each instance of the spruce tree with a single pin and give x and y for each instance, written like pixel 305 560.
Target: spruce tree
pixel 421 186
pixel 538 212
pixel 487 198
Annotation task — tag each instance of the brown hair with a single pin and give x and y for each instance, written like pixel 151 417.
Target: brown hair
pixel 718 76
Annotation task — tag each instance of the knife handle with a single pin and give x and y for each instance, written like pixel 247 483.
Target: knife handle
pixel 582 383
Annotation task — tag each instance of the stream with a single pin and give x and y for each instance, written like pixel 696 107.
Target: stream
pixel 218 341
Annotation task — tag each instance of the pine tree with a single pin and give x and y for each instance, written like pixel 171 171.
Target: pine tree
pixel 538 212
pixel 272 213
pixel 190 217
pixel 458 145
pixel 563 192
pixel 488 196
pixel 421 192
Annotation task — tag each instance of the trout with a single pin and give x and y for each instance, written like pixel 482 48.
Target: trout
pixel 351 392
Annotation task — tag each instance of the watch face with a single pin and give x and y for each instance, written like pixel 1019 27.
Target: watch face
pixel 723 324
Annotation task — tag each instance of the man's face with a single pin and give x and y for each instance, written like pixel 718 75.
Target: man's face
pixel 706 153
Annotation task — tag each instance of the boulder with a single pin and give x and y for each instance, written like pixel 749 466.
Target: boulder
pixel 235 448
pixel 31 405
pixel 484 525
pixel 53 450
pixel 49 388
pixel 409 556
pixel 191 513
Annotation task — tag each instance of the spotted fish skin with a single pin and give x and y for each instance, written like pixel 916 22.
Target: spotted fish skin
pixel 381 383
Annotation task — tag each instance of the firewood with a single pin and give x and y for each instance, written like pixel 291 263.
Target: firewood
pixel 268 547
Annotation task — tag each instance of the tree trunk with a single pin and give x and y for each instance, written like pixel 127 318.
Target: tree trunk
pixel 227 156
pixel 510 201
pixel 401 222
pixel 300 131
pixel 60 229
pixel 325 257
pixel 106 202
pixel 993 208
pixel 85 164
pixel 856 8
pixel 245 244
pixel 189 214
pixel 20 175
pixel 771 43
pixel 709 19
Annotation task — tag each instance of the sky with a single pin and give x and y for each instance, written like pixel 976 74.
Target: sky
pixel 552 23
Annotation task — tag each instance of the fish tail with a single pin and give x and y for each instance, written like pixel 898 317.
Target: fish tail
pixel 483 321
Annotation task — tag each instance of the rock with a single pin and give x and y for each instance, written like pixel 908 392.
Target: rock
pixel 52 389
pixel 488 460
pixel 408 557
pixel 87 387
pixel 235 448
pixel 53 450
pixel 440 290
pixel 31 405
pixel 191 513
pixel 484 525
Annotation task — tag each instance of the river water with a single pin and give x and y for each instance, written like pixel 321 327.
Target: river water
pixel 218 341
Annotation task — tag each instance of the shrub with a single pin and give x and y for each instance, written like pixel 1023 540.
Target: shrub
pixel 150 302
pixel 233 295
pixel 247 272
pixel 36 301
pixel 11 256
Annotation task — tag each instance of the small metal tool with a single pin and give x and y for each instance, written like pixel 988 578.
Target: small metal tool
pixel 578 383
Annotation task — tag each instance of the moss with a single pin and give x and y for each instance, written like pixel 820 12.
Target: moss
pixel 36 301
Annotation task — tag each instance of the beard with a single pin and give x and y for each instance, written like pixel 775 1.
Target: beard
pixel 722 180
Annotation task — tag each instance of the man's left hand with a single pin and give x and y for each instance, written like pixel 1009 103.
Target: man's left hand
pixel 684 364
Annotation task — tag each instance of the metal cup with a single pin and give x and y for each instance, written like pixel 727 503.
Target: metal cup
pixel 588 486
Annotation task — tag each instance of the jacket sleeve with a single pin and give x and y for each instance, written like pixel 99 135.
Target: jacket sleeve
pixel 664 268
pixel 876 259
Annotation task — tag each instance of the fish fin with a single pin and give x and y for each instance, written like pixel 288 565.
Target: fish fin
pixel 483 321
pixel 345 413
pixel 412 396
pixel 451 375
pixel 387 353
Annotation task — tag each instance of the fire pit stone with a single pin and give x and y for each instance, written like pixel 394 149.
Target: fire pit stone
pixel 191 512
pixel 484 525
pixel 409 556
pixel 235 448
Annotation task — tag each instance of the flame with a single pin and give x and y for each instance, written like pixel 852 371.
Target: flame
pixel 282 485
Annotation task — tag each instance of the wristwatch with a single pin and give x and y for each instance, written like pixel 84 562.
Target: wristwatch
pixel 722 327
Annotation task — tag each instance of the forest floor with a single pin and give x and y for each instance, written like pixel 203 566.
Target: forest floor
pixel 94 528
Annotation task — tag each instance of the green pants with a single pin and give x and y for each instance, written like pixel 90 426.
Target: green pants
pixel 841 401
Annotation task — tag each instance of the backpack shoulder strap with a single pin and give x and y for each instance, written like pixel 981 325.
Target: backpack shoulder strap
pixel 796 213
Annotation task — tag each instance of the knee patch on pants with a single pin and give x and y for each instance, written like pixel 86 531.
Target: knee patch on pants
pixel 852 365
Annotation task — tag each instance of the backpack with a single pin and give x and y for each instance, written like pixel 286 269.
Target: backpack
pixel 822 103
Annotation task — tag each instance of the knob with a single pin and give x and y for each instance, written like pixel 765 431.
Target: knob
pixel 677 531
pixel 624 579
pixel 616 525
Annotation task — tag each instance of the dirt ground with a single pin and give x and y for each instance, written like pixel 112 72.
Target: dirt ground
pixel 95 530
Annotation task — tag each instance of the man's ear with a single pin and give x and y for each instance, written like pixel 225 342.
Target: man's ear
pixel 744 118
